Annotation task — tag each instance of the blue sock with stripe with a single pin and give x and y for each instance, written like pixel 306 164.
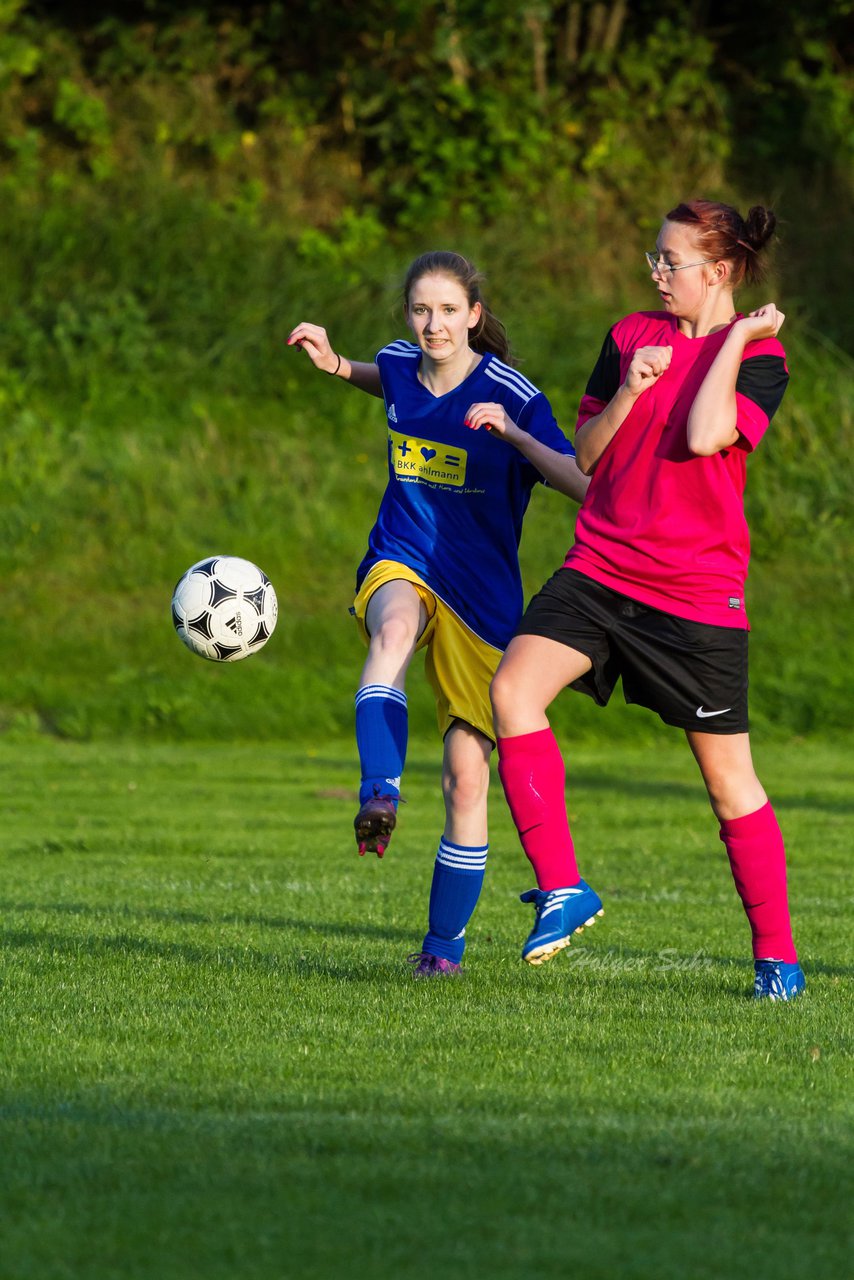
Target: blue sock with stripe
pixel 457 880
pixel 382 729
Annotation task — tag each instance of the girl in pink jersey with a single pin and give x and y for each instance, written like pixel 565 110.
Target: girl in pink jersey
pixel 652 591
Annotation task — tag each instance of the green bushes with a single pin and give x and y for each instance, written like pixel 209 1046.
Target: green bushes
pixel 421 111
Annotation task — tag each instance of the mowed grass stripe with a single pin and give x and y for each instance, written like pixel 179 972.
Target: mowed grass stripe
pixel 216 1063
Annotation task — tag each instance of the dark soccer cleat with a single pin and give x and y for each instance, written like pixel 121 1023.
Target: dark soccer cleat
pixel 374 823
pixel 430 966
pixel 560 914
pixel 777 980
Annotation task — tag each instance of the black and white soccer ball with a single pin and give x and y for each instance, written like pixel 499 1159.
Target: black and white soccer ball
pixel 224 608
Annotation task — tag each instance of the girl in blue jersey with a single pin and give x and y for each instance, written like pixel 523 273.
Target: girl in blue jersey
pixel 441 570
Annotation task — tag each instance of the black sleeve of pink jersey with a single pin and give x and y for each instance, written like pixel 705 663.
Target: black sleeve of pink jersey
pixel 763 380
pixel 605 378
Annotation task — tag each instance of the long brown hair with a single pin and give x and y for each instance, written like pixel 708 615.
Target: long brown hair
pixel 722 234
pixel 489 333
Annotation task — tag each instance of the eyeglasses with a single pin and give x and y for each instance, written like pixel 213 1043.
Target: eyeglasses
pixel 665 269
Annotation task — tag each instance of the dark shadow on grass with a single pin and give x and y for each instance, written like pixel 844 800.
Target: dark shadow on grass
pixel 289 961
pixel 657 1186
pixel 581 778
pixel 579 781
pixel 783 801
pixel 658 971
pixel 588 779
pixel 323 928
pixel 423 767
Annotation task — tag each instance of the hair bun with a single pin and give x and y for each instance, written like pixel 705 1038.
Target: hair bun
pixel 759 226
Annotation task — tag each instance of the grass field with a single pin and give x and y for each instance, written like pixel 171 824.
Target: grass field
pixel 215 1062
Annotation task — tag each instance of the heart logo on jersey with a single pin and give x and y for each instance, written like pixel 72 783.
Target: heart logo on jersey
pixel 427 454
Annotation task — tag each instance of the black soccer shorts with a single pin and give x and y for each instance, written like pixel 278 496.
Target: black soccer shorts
pixel 691 674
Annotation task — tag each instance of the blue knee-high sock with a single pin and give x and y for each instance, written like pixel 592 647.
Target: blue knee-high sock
pixel 382 726
pixel 457 879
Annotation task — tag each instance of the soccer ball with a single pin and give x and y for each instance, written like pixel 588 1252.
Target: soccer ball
pixel 224 608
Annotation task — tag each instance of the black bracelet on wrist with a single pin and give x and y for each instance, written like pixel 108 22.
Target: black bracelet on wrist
pixel 332 372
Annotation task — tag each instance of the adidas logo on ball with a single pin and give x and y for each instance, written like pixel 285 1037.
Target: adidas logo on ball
pixel 224 608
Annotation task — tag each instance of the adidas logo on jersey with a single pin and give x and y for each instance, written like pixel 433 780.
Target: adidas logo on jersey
pixel 392 416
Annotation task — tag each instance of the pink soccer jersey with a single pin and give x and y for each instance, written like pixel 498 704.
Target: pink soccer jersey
pixel 659 523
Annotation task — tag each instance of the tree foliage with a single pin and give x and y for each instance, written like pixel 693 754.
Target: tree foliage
pixel 422 109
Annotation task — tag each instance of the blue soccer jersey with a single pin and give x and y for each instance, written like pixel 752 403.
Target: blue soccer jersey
pixel 455 498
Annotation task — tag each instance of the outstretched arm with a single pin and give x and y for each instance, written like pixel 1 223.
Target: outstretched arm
pixel 314 341
pixel 558 469
pixel 593 438
pixel 713 420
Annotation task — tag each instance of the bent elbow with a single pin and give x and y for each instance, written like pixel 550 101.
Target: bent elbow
pixel 707 445
pixel 585 461
pixel 706 435
pixel 703 448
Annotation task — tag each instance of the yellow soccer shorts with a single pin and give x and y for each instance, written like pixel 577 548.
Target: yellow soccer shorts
pixel 458 664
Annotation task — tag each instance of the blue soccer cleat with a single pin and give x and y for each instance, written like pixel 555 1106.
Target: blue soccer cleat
pixel 777 980
pixel 560 914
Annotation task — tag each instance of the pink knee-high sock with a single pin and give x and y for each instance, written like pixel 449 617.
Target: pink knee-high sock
pixel 533 775
pixel 757 859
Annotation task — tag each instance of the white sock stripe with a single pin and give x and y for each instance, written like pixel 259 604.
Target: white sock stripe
pixel 462 848
pixel 380 691
pixel 452 865
pixel 460 858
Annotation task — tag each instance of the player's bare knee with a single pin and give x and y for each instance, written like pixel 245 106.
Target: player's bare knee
pixel 732 794
pixel 465 788
pixel 503 694
pixel 394 636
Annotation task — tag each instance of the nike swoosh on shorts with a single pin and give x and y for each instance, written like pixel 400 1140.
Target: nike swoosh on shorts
pixel 704 715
